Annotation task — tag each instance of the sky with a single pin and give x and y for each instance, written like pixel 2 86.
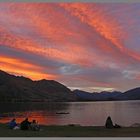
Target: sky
pixel 86 46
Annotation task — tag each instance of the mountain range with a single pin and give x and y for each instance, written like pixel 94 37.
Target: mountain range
pixel 22 89
pixel 133 94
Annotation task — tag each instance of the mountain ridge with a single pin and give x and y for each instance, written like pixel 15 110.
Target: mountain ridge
pixel 24 89
pixel 132 94
pixel 20 88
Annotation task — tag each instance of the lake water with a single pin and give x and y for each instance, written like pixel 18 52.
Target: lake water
pixel 124 113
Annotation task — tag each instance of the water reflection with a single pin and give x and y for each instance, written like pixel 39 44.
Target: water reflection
pixel 86 113
pixel 44 113
pixel 16 107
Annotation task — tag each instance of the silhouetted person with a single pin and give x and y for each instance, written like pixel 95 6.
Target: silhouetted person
pixel 35 126
pixel 25 125
pixel 12 124
pixel 109 123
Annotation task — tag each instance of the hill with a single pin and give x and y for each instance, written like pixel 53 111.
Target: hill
pixel 18 88
pixel 132 94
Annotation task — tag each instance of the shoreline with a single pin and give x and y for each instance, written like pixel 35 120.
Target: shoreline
pixel 71 131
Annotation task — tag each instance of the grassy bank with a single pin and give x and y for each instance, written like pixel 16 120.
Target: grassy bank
pixel 71 131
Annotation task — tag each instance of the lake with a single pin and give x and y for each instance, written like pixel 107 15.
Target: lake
pixel 124 113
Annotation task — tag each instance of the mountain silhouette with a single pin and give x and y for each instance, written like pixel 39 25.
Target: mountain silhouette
pixel 133 94
pixel 19 88
pixel 102 96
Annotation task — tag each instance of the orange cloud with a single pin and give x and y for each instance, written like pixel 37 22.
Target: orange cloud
pixel 20 67
pixel 60 46
pixel 70 54
pixel 97 20
pixel 17 62
pixel 104 25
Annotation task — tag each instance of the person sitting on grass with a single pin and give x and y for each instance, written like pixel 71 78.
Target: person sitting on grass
pixel 109 123
pixel 12 124
pixel 34 126
pixel 25 125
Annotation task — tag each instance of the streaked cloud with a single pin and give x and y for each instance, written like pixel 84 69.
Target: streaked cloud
pixel 83 45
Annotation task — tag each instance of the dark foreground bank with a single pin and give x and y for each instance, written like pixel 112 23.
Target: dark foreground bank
pixel 71 131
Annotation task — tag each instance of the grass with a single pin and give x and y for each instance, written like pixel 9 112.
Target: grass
pixel 71 131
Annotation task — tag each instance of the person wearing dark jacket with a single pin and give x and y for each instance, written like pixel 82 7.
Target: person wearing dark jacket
pixel 25 125
pixel 109 123
pixel 12 124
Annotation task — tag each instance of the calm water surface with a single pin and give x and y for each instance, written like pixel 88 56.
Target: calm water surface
pixel 124 113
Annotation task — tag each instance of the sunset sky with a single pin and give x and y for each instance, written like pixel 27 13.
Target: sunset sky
pixel 89 46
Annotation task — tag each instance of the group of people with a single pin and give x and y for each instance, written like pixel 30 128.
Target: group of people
pixel 24 125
